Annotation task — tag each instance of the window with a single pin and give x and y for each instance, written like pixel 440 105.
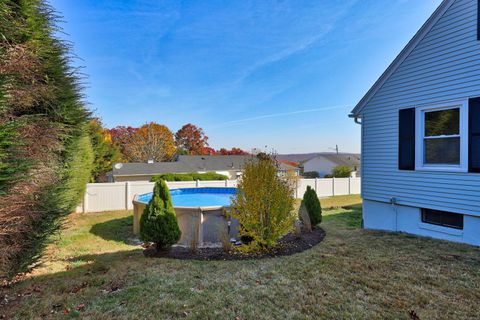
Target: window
pixel 442 137
pixel 442 218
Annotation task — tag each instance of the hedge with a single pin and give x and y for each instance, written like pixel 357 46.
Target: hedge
pixel 193 176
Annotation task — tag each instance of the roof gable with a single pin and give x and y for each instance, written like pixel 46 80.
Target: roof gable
pixel 427 26
pixel 342 159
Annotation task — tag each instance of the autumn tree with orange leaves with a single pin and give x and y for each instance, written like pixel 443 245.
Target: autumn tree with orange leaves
pixel 151 141
pixel 191 139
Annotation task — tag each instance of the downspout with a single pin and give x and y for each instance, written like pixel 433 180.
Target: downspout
pixel 357 120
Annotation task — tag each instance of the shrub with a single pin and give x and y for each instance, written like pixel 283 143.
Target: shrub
pixel 311 174
pixel 263 206
pixel 341 172
pixel 312 204
pixel 158 223
pixel 189 176
pixel 208 176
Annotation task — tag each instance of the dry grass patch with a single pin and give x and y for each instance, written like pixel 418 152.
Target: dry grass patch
pixel 94 272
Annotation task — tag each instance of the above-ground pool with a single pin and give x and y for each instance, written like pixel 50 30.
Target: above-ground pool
pixel 197 197
pixel 201 214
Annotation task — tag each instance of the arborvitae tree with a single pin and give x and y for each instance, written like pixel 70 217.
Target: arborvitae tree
pixel 312 203
pixel 45 151
pixel 263 205
pixel 158 223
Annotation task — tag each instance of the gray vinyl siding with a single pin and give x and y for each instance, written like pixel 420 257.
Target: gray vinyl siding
pixel 444 66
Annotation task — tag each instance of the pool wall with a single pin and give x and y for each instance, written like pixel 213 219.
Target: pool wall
pixel 200 226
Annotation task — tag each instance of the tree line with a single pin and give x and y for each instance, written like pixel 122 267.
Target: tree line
pixel 151 141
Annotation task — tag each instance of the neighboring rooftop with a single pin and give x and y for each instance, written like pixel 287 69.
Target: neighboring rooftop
pixel 341 159
pixel 215 163
pixel 185 163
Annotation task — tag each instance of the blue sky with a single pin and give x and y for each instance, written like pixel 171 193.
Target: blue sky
pixel 282 74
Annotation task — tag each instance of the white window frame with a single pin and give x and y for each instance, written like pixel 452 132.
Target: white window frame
pixel 420 136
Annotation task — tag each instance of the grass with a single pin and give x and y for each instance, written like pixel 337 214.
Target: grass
pixel 352 274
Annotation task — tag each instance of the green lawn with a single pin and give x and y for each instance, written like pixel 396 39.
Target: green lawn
pixel 353 274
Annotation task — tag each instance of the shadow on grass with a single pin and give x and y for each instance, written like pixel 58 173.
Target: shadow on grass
pixel 119 230
pixel 350 216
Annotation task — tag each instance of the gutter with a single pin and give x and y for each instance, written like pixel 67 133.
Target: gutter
pixel 356 118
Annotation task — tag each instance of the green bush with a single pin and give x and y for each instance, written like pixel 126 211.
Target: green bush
pixel 208 176
pixel 263 206
pixel 341 172
pixel 158 223
pixel 189 176
pixel 311 174
pixel 312 204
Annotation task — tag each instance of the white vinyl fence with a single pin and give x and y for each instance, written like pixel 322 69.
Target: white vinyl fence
pixel 119 195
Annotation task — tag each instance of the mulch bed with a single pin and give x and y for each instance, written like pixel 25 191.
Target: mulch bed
pixel 288 245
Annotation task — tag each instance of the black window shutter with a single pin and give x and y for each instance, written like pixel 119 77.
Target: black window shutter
pixel 474 135
pixel 478 20
pixel 406 139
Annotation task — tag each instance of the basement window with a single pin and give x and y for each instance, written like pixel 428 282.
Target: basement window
pixel 442 218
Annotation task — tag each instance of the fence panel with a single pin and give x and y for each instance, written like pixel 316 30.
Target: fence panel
pixel 105 196
pixel 302 185
pixel 212 184
pixel 324 187
pixel 341 186
pixel 355 185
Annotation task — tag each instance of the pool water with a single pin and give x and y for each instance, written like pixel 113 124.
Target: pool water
pixel 197 197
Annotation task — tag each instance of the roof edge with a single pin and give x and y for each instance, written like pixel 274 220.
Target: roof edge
pixel 426 27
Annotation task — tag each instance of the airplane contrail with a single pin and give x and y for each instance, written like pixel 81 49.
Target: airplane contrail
pixel 280 114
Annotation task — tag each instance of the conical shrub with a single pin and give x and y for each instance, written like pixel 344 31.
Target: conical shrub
pixel 159 223
pixel 312 203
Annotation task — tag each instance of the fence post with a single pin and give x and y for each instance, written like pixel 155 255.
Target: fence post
pixel 226 183
pixel 127 195
pixel 197 183
pixel 333 186
pixel 316 186
pixel 349 185
pixel 85 200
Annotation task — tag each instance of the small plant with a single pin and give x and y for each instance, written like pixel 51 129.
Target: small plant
pixel 341 172
pixel 312 204
pixel 263 206
pixel 224 237
pixel 194 232
pixel 158 223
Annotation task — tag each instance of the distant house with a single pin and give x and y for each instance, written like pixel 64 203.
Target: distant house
pixel 285 168
pixel 324 163
pixel 229 165
pixel 421 132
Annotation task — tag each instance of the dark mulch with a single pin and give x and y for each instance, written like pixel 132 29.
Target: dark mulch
pixel 288 245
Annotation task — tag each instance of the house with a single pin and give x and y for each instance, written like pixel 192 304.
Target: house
pixel 229 165
pixel 421 132
pixel 324 163
pixel 284 169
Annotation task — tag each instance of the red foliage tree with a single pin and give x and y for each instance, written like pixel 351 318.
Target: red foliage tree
pixel 121 137
pixel 207 151
pixel 232 152
pixel 191 139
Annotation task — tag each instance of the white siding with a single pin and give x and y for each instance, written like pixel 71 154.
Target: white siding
pixel 320 165
pixel 444 66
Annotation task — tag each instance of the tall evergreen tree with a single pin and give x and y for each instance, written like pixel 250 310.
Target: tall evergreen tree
pixel 45 150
